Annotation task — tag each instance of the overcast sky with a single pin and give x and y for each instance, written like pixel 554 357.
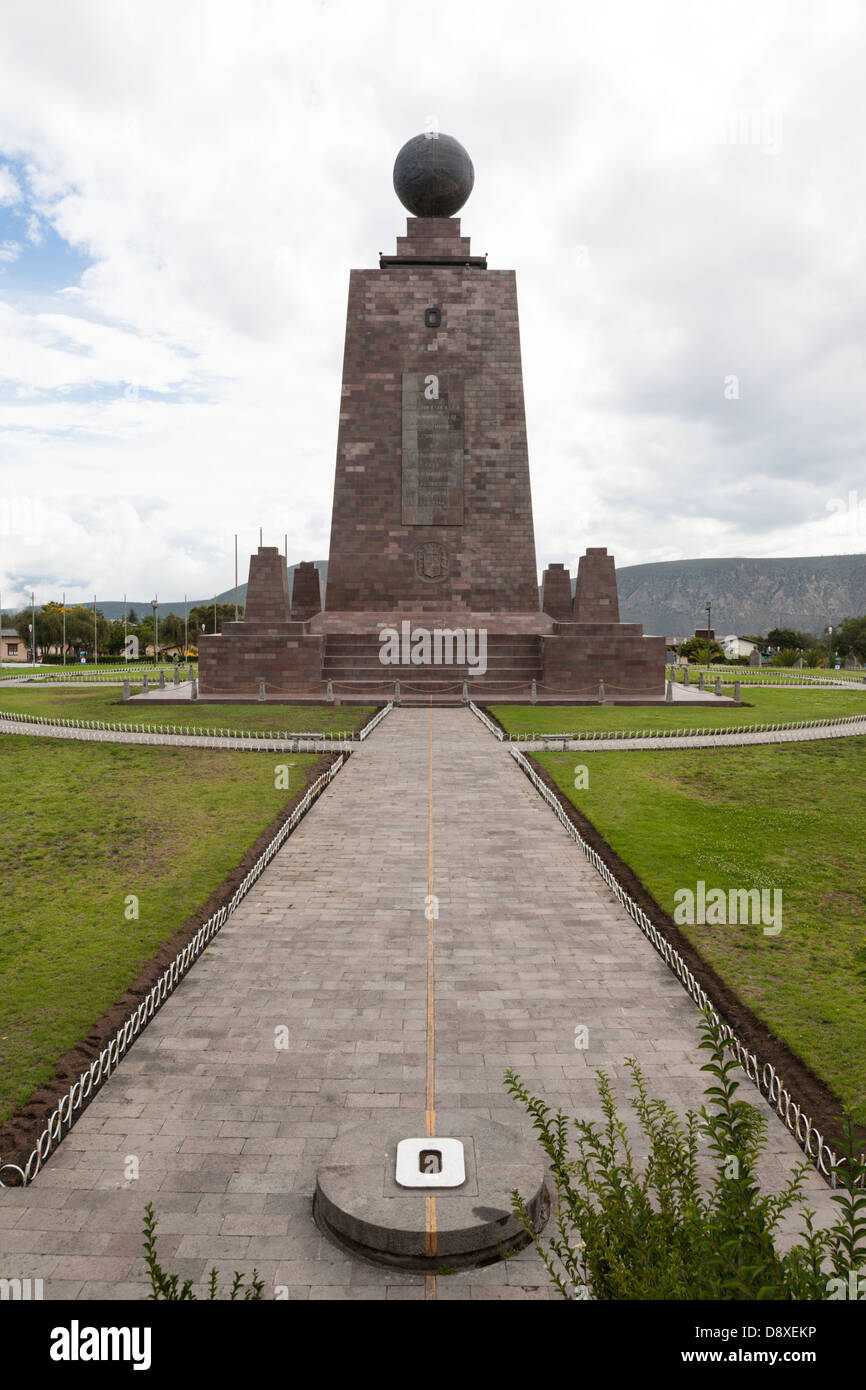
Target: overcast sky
pixel 185 186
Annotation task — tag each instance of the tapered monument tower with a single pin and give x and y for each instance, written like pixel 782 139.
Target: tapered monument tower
pixel 432 505
pixel 432 515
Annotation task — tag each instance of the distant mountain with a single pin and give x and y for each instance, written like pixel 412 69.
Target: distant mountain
pixel 112 608
pixel 748 596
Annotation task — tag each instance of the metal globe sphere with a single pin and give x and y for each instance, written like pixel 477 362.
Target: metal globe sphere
pixel 433 175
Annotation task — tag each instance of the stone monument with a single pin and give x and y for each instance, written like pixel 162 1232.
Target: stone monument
pixel 431 528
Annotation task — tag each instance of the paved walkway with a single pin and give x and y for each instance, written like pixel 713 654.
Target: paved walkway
pixel 711 740
pixel 300 744
pixel 332 944
pixel 254 744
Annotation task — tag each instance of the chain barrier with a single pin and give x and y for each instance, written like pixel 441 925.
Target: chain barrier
pixel 763 1075
pixel 63 1117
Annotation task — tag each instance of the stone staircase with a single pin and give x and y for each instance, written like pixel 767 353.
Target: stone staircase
pixel 352 662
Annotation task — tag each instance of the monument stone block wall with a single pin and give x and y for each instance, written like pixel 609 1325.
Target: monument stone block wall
pixel 432 503
pixel 577 656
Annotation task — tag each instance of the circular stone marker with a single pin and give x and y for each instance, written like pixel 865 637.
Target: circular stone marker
pixel 361 1206
pixel 433 175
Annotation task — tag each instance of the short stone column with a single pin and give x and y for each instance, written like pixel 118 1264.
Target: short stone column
pixel 396 692
pixel 162 680
pixel 466 692
pixel 194 692
pixel 718 685
pixel 686 680
pixel 669 693
pixel 533 694
pixel 261 688
pixel 702 685
pixel 601 692
pixel 329 695
pixel 125 690
pixel 176 674
pixel 736 690
pixel 145 685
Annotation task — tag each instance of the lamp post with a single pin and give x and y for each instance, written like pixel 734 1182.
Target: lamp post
pixel 64 627
pixel 33 623
pixel 830 648
pixel 154 603
pixel 709 616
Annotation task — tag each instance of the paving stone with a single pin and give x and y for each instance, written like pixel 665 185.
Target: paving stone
pixel 332 943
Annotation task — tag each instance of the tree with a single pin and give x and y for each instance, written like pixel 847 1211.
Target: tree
pixel 201 618
pixel 114 641
pixel 696 650
pixel 780 637
pixel 849 638
pixel 49 627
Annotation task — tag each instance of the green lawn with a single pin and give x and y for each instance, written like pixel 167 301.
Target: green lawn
pixel 791 817
pixel 107 705
pixel 83 826
pixel 764 707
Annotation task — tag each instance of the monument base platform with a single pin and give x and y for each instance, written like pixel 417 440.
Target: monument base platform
pixel 444 654
pixel 286 649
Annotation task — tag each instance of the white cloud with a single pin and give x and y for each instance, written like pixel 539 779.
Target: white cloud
pixel 224 165
pixel 10 190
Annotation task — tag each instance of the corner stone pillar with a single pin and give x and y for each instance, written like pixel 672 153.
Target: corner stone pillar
pixel 306 592
pixel 595 599
pixel 266 645
pixel 556 593
pixel 267 588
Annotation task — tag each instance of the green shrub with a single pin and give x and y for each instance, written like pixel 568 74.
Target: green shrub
pixel 656 1233
pixel 165 1286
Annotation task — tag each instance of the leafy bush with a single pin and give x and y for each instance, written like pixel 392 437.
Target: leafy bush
pixel 624 1234
pixel 165 1286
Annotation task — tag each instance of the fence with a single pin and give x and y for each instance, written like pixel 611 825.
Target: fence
pixel 111 675
pixel 763 1075
pixel 723 730
pixel 90 1081
pixel 251 736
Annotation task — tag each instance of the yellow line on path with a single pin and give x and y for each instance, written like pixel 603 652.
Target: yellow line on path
pixel 430 1219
